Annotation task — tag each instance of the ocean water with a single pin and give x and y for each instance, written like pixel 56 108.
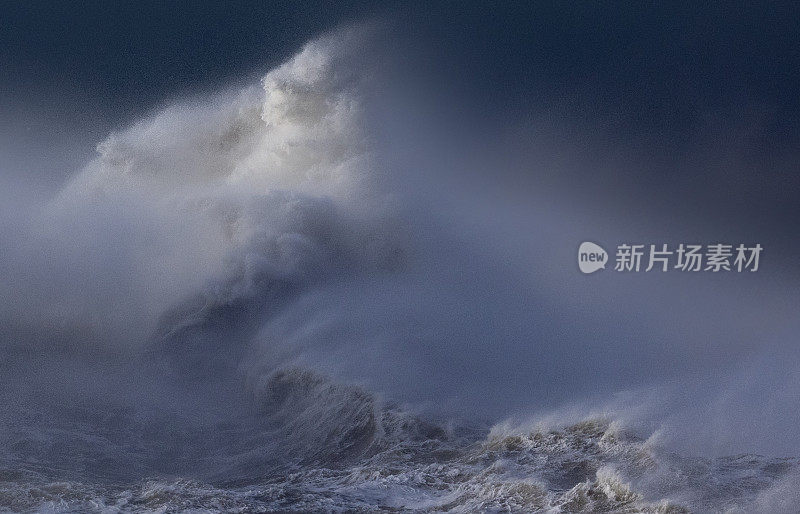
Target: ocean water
pixel 211 314
pixel 324 447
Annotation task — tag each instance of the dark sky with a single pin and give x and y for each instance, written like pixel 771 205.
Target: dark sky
pixel 680 86
pixel 124 54
pixel 657 63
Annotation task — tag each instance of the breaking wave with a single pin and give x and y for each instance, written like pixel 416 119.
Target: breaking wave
pixel 203 351
pixel 355 457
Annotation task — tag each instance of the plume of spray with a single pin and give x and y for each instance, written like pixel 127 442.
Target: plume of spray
pixel 220 257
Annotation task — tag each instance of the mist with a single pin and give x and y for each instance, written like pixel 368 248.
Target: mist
pixel 354 232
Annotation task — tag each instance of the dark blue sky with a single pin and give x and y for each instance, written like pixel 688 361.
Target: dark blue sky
pixel 658 63
pixel 125 54
pixel 667 81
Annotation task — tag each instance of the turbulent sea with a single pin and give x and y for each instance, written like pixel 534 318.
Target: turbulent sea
pixel 345 452
pixel 212 314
